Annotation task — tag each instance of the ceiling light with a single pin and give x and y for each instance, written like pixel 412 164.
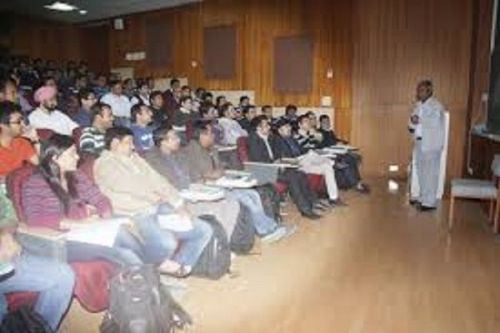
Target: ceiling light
pixel 82 11
pixel 61 6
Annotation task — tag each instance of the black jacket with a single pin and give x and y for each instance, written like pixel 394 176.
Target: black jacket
pixel 257 150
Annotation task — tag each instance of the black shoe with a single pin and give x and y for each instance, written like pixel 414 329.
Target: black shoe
pixel 426 208
pixel 311 216
pixel 415 203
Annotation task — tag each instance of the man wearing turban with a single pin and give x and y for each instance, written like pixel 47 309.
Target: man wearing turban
pixel 46 116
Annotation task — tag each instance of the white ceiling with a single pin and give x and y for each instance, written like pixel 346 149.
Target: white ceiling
pixel 96 9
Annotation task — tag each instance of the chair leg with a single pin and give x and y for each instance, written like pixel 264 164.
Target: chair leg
pixel 451 213
pixel 492 211
pixel 495 218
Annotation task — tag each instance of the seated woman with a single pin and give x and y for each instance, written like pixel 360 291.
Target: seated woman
pixel 137 190
pixel 59 196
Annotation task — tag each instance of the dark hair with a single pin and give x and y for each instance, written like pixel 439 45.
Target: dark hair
pixel 324 116
pixel 160 134
pixel 6 110
pixel 246 109
pixel 290 107
pixel 206 95
pixel 258 120
pixel 242 98
pixel 267 106
pixel 84 93
pixel 427 83
pixel 118 133
pixel 54 147
pixel 199 91
pixel 224 108
pixel 219 98
pixel 205 108
pixel 153 95
pixel 184 98
pixel 113 83
pixel 201 127
pixel 136 110
pixel 301 118
pixel 98 110
pixel 185 87
pixel 173 81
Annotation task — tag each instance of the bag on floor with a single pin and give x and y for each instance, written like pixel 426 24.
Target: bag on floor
pixel 270 200
pixel 24 320
pixel 243 237
pixel 139 304
pixel 215 260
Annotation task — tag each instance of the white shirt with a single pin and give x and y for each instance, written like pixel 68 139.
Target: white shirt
pixel 268 146
pixel 120 105
pixel 232 130
pixel 430 128
pixel 55 121
pixel 143 100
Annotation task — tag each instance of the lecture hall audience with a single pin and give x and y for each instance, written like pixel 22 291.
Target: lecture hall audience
pixel 180 136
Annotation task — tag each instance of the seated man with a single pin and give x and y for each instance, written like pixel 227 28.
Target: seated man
pixel 135 189
pixel 232 129
pixel 164 158
pixel 262 148
pixel 160 117
pixel 46 116
pixel 53 281
pixel 249 113
pixel 87 99
pixel 311 162
pixel 329 137
pixel 17 143
pixel 183 117
pixel 349 176
pixel 92 139
pixel 201 159
pixel 142 116
pixel 120 104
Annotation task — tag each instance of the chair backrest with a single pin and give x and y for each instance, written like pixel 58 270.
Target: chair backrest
pixel 76 135
pixel 44 133
pixel 14 182
pixel 242 149
pixel 495 165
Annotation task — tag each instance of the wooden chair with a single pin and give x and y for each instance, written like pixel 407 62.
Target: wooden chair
pixel 478 189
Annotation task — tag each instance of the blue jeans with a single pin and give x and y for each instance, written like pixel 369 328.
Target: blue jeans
pixel 251 200
pixel 52 280
pixel 182 247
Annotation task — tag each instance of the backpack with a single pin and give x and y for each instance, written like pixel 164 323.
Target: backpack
pixel 215 259
pixel 24 320
pixel 139 304
pixel 243 236
pixel 270 200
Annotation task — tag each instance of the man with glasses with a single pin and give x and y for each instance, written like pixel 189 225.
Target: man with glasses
pixel 15 137
pixel 87 99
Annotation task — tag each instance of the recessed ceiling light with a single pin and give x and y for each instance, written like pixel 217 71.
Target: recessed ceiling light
pixel 82 11
pixel 61 6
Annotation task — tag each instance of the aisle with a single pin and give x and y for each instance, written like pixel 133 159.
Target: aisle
pixel 374 266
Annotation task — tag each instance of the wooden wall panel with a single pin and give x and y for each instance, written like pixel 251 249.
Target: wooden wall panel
pixel 398 43
pixel 45 39
pixel 257 23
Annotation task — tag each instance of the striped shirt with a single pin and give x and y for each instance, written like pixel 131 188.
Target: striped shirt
pixel 92 141
pixel 306 141
pixel 43 208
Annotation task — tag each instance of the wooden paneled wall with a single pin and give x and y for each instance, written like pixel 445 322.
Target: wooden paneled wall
pixel 257 23
pixel 45 39
pixel 398 43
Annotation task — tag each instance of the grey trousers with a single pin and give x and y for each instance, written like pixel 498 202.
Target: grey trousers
pixel 428 166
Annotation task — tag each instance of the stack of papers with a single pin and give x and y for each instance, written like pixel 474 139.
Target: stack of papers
pixel 200 192
pixel 235 181
pixel 101 232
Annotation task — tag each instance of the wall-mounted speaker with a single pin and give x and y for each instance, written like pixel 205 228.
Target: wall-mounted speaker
pixel 118 24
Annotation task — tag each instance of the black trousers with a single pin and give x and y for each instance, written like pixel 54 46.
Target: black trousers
pixel 299 188
pixel 349 176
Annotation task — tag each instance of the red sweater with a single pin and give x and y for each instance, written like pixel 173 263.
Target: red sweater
pixel 43 208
